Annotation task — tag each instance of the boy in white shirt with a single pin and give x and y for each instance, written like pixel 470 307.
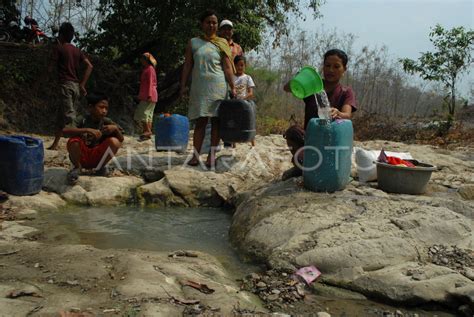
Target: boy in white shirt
pixel 244 84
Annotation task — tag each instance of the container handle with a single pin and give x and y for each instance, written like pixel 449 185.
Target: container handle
pixel 31 142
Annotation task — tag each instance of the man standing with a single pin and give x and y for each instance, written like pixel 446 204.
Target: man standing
pixel 68 60
pixel 226 30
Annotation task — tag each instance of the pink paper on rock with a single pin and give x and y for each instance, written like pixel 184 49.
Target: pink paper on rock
pixel 308 273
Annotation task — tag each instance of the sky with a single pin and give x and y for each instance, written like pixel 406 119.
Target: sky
pixel 402 25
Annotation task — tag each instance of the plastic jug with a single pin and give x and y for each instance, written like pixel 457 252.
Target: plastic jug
pixel 237 120
pixel 172 133
pixel 327 155
pixel 21 164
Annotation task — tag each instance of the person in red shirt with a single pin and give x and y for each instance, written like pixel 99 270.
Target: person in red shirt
pixel 148 96
pixel 68 60
pixel 341 99
pixel 226 30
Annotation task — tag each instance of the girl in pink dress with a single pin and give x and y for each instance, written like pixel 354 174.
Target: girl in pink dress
pixel 148 96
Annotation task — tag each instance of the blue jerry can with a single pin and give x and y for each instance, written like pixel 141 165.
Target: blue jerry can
pixel 172 133
pixel 21 164
pixel 327 155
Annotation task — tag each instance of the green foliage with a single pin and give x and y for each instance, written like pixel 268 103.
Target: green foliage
pixel 452 56
pixel 13 72
pixel 269 125
pixel 266 76
pixel 131 27
pixel 179 107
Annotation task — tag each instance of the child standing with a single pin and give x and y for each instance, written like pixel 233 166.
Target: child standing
pixel 93 139
pixel 244 84
pixel 148 96
pixel 68 60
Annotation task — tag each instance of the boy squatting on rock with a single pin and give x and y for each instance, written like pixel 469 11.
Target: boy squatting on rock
pixel 93 139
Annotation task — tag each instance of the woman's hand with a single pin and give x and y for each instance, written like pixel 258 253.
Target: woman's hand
pixel 233 92
pixel 187 67
pixel 229 74
pixel 335 114
pixel 344 113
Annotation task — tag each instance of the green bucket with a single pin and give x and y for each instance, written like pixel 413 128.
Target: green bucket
pixel 307 82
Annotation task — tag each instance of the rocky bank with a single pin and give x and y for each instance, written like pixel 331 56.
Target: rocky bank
pixel 402 248
pixel 408 250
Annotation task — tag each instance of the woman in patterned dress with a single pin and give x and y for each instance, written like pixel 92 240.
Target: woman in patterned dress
pixel 209 59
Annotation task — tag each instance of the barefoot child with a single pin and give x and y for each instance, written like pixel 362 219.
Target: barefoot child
pixel 244 84
pixel 148 96
pixel 93 139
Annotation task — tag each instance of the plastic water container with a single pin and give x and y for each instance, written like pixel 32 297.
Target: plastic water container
pixel 327 155
pixel 237 120
pixel 172 133
pixel 21 164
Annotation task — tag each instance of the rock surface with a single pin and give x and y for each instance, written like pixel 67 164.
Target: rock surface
pixel 364 239
pixel 170 181
pixel 237 170
pixel 407 249
pixel 91 190
pixel 82 279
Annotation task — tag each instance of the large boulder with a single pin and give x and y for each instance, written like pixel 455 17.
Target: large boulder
pixel 41 201
pixel 159 194
pixel 92 190
pixel 237 170
pixel 109 191
pixel 361 238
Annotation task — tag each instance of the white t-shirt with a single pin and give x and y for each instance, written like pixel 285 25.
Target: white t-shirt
pixel 242 83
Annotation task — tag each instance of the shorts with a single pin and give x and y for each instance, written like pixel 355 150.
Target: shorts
pixel 91 156
pixel 69 97
pixel 144 112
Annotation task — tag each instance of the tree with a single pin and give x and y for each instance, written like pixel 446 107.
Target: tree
pixel 83 14
pixel 452 57
pixel 131 27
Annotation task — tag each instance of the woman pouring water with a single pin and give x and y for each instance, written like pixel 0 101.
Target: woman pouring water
pixel 341 100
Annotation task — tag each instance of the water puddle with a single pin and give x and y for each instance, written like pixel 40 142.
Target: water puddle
pixel 128 227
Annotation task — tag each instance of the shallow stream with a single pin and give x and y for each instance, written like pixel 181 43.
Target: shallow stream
pixel 164 229
pixel 170 229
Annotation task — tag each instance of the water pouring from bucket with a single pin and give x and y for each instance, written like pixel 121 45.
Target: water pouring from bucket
pixel 307 82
